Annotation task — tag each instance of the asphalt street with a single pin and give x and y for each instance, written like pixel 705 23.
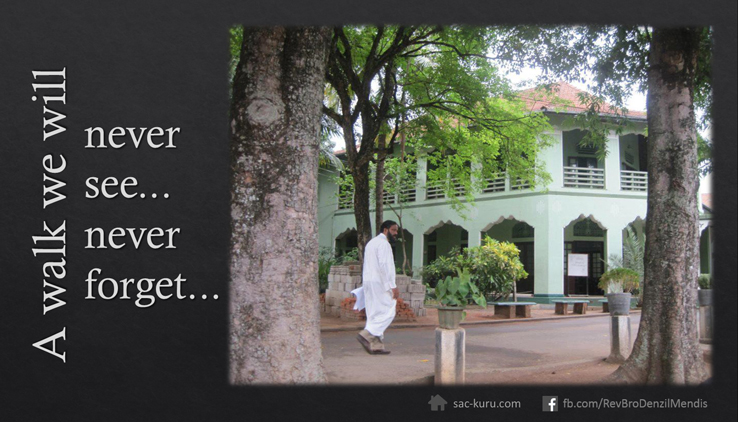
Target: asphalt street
pixel 494 348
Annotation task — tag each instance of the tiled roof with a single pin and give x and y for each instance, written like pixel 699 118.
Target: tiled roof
pixel 541 100
pixel 707 201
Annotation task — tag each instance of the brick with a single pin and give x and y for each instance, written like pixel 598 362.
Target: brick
pixel 416 288
pixel 402 288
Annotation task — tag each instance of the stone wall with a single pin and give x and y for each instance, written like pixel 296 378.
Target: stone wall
pixel 412 292
pixel 341 280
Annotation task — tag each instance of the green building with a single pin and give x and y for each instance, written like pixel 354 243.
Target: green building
pixel 585 209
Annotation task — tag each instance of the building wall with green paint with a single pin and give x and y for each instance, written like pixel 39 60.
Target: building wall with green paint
pixel 552 211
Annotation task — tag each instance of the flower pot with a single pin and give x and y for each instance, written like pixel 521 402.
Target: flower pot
pixel 449 317
pixel 704 297
pixel 619 303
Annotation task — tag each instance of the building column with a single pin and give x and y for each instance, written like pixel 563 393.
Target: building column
pixel 475 235
pixel 612 163
pixel 613 241
pixel 549 259
pixel 553 156
pixel 418 250
pixel 420 179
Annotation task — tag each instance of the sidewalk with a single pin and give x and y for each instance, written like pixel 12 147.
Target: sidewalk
pixel 474 316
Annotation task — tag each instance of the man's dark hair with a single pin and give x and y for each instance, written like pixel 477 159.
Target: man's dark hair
pixel 386 225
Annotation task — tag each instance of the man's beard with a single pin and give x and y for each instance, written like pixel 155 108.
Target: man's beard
pixel 391 238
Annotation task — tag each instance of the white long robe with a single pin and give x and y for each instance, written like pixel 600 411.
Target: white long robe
pixel 378 278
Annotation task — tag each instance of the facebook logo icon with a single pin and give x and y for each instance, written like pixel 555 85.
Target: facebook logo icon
pixel 550 404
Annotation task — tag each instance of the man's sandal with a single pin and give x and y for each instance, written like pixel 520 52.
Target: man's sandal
pixel 368 347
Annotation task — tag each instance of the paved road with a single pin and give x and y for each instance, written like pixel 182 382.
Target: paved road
pixel 515 346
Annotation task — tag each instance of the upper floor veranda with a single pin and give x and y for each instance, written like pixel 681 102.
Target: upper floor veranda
pixel 573 168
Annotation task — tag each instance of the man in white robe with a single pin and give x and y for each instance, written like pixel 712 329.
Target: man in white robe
pixel 379 288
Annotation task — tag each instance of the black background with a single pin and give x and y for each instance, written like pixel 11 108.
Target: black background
pixel 135 64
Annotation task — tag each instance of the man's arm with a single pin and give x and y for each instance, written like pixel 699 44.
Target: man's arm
pixel 387 262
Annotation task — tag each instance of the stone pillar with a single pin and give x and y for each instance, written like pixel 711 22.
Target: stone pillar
pixel 450 356
pixel 705 315
pixel 619 338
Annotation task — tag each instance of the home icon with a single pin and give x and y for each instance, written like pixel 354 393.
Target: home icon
pixel 436 402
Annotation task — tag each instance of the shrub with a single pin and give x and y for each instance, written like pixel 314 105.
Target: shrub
pixel 454 291
pixel 705 281
pixel 440 268
pixel 326 259
pixel 619 280
pixel 352 255
pixel 493 267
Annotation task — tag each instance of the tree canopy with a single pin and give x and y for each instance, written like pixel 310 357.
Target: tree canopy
pixel 434 91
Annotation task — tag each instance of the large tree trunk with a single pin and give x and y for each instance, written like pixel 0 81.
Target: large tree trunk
pixel 666 350
pixel 361 206
pixel 277 95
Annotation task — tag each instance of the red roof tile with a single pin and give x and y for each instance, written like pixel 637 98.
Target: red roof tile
pixel 538 100
pixel 707 200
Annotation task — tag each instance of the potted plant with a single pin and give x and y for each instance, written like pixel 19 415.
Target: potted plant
pixel 704 294
pixel 618 284
pixel 452 293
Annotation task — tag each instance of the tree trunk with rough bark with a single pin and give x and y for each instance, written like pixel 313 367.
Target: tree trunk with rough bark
pixel 379 189
pixel 666 350
pixel 360 174
pixel 276 108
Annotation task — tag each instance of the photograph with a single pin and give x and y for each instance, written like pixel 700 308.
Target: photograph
pixel 219 211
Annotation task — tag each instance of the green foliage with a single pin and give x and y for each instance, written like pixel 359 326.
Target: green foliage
pixel 493 267
pixel 352 255
pixel 704 155
pixel 440 268
pixel 616 58
pixel 705 281
pixel 634 250
pixel 326 259
pixel 436 86
pixel 619 280
pixel 235 41
pixel 456 291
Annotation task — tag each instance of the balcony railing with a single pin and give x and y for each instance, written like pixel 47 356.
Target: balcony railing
pixel 436 190
pixel 519 184
pixel 585 178
pixel 346 200
pixel 408 195
pixel 634 181
pixel 388 198
pixel 495 184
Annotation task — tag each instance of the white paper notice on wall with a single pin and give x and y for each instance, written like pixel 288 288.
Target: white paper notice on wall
pixel 578 265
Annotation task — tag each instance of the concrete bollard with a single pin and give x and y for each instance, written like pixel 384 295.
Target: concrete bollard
pixel 705 318
pixel 619 338
pixel 450 356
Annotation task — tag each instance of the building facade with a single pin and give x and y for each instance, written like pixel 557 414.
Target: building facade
pixel 584 210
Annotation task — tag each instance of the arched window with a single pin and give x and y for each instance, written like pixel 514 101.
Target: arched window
pixel 588 228
pixel 522 230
